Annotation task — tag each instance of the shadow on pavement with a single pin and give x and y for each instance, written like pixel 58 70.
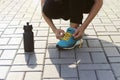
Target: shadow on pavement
pixel 96 54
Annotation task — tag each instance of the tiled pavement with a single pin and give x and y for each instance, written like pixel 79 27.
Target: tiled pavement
pixel 98 59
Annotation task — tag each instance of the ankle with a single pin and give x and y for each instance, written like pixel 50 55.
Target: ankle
pixel 74 25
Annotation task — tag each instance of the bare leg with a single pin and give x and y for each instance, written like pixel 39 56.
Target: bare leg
pixel 74 25
pixel 49 22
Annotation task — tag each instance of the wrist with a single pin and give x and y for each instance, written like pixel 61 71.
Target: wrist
pixel 84 26
pixel 54 30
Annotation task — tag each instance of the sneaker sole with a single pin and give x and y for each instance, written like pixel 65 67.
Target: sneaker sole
pixel 79 43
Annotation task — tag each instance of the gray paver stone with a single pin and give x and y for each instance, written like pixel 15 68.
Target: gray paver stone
pixel 99 57
pixel 116 69
pixel 105 75
pixel 87 75
pixel 68 71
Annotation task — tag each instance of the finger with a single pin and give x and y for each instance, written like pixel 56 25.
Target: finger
pixel 58 37
pixel 76 33
pixel 77 36
pixel 62 31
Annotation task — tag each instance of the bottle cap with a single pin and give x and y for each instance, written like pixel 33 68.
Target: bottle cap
pixel 28 27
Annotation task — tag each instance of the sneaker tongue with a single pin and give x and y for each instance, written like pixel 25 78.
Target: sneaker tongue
pixel 71 30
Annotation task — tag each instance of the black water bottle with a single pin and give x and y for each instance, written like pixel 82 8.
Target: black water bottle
pixel 28 38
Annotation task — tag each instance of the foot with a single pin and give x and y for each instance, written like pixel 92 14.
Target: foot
pixel 68 41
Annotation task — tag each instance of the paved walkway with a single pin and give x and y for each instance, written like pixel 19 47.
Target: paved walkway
pixel 98 59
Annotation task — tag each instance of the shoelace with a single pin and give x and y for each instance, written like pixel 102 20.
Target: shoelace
pixel 67 36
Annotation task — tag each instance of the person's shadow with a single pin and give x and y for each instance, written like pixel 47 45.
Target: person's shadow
pixel 72 64
pixel 59 63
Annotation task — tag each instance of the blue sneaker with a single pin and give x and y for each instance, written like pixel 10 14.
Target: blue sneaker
pixel 68 41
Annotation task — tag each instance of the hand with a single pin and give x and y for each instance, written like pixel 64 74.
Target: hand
pixel 79 33
pixel 59 33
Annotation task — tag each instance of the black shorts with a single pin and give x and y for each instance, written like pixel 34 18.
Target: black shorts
pixel 67 9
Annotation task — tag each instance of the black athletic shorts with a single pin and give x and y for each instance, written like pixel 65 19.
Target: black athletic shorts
pixel 67 9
